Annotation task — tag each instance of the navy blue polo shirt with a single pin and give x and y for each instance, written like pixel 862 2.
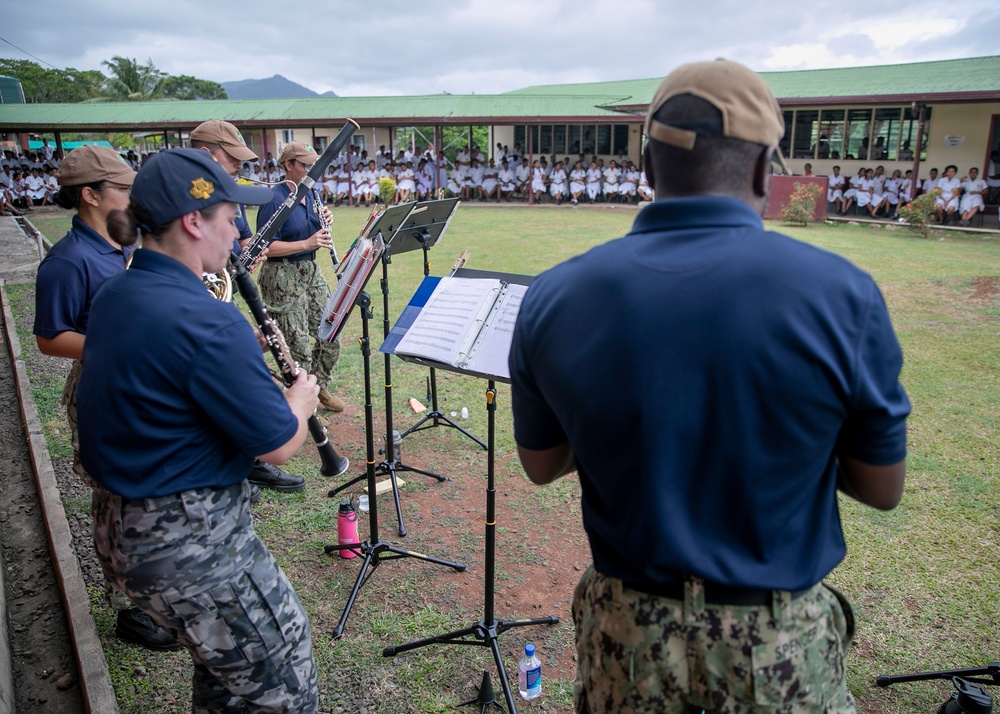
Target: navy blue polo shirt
pixel 69 277
pixel 301 224
pixel 706 372
pixel 171 377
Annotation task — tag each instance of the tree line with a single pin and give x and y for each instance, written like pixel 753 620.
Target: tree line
pixel 126 81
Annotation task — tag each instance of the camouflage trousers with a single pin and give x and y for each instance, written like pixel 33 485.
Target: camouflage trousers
pixel 119 601
pixel 193 563
pixel 295 295
pixel 642 653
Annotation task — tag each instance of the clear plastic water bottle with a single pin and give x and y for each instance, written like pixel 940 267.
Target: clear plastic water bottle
pixel 529 674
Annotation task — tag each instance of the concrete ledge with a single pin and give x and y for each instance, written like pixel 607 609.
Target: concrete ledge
pixel 95 681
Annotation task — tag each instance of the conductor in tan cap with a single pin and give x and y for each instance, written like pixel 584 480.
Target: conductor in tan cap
pixel 751 377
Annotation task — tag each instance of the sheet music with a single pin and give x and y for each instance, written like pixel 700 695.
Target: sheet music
pixel 490 356
pixel 450 314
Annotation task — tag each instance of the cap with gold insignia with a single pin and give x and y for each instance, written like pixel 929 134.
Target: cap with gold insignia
pixel 180 181
pixel 225 135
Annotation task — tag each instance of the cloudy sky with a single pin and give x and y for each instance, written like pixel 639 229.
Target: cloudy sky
pixel 392 47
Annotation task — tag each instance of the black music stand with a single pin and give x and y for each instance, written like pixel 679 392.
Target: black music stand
pixel 486 631
pixel 383 231
pixel 422 230
pixel 374 549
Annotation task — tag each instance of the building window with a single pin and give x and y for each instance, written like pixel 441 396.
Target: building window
pixel 857 133
pixel 910 127
pixel 620 139
pixel 360 141
pixel 885 134
pixel 559 139
pixel 831 134
pixel 575 147
pixel 806 123
pixel 604 139
pixel 287 136
pixel 786 141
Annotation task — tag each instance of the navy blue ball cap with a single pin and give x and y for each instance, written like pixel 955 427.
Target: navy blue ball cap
pixel 174 183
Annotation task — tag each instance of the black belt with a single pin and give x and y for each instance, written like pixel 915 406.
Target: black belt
pixel 298 257
pixel 715 594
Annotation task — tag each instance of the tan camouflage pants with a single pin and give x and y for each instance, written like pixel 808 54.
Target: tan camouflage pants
pixel 295 295
pixel 641 653
pixel 119 600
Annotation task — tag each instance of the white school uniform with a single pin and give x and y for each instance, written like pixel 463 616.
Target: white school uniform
pixel 506 179
pixel 865 191
pixel 577 180
pixel 406 180
pixel 971 198
pixel 892 191
pixel 904 189
pixel 538 179
pixel 629 182
pixel 834 187
pixel 611 177
pixel 475 176
pixel 644 188
pixel 558 186
pixel 946 199
pixel 490 182
pixel 457 180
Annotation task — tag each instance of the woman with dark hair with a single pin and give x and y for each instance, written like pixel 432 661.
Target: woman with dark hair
pixel 94 181
pixel 172 374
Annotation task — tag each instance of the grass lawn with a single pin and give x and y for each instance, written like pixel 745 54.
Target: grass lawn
pixel 924 578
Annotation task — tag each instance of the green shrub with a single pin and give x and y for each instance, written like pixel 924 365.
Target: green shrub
pixel 919 213
pixel 802 203
pixel 386 190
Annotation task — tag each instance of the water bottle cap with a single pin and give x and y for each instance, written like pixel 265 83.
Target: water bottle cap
pixel 346 507
pixel 529 650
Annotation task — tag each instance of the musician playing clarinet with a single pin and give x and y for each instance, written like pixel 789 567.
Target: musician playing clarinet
pixel 291 281
pixel 170 369
pixel 226 145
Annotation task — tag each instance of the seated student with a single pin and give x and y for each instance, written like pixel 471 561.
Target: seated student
pixel 835 190
pixel 948 190
pixel 611 175
pixel 522 177
pixel 906 153
pixel 973 194
pixel 593 182
pixel 807 170
pixel 906 187
pixel 577 182
pixel 539 180
pixel 892 186
pixel 507 181
pixel 864 191
pixel 557 182
pixel 358 186
pixel 51 185
pixel 929 183
pixel 879 200
pixel 406 184
pixel 851 194
pixel 329 184
pixel 425 180
pixel 490 182
pixel 644 190
pixel 475 178
pixel 34 187
pixel 630 181
pixel 370 187
pixel 458 182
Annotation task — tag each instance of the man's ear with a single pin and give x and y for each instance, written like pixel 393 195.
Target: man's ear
pixel 762 173
pixel 192 223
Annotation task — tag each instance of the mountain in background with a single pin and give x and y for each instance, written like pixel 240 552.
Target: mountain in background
pixel 276 87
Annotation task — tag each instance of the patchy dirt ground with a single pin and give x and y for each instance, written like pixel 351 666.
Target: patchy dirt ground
pixel 45 674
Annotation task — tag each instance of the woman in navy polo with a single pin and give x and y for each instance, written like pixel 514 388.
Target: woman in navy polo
pixel 170 373
pixel 94 181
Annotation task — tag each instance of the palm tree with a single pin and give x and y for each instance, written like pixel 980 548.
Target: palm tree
pixel 131 81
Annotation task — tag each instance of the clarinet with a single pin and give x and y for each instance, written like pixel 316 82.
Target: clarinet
pixel 333 463
pixel 259 242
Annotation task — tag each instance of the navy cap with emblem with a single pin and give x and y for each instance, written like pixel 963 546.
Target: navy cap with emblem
pixel 180 181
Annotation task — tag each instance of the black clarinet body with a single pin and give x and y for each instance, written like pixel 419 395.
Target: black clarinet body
pixel 333 464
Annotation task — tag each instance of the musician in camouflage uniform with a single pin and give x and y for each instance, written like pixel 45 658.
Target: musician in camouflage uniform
pixel 291 281
pixel 170 373
pixel 714 385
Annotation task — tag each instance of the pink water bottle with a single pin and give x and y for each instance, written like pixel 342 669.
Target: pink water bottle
pixel 347 529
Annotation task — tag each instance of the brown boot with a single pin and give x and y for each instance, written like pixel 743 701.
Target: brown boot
pixel 330 401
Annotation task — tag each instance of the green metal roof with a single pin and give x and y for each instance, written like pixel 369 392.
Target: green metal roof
pixel 975 79
pixel 433 109
pixel 947 79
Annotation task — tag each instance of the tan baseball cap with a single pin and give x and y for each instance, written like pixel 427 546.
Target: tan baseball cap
pixel 225 135
pixel 749 110
pixel 303 153
pixel 89 164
